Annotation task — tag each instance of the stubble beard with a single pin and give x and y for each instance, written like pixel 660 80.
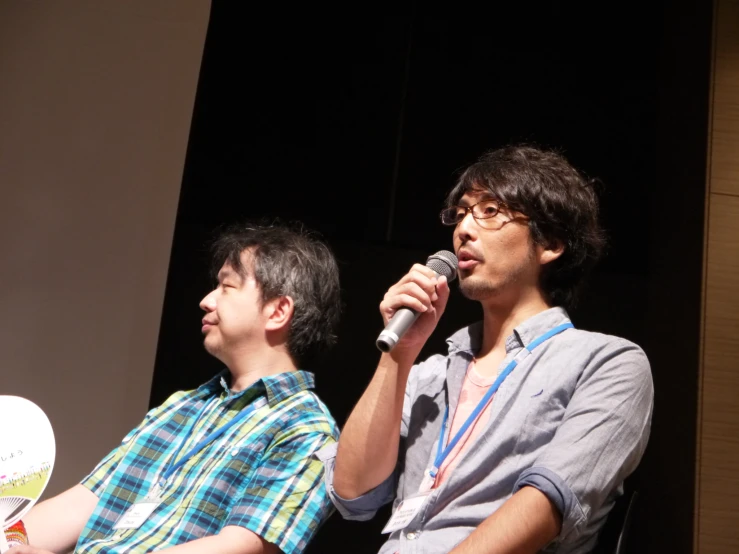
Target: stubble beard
pixel 477 289
pixel 484 288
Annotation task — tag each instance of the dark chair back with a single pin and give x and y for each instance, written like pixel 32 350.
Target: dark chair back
pixel 623 536
pixel 613 538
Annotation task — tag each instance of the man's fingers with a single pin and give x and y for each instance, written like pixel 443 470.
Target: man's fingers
pixel 398 301
pixel 422 276
pixel 423 270
pixel 442 293
pixel 419 290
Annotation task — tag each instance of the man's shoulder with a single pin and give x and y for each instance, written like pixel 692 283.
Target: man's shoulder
pixel 600 352
pixel 305 412
pixel 601 343
pixel 184 396
pixel 176 400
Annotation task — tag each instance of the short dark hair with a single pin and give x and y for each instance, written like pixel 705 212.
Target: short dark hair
pixel 559 201
pixel 289 260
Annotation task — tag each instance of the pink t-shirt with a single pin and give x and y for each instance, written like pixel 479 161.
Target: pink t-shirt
pixel 474 388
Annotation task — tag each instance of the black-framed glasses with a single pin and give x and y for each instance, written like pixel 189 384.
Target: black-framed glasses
pixel 484 209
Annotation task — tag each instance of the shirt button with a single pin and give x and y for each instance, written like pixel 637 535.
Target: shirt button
pixel 412 535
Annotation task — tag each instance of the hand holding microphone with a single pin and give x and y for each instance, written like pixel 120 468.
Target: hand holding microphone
pixel 415 294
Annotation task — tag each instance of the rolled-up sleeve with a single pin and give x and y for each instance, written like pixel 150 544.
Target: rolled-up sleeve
pixel 600 440
pixel 363 507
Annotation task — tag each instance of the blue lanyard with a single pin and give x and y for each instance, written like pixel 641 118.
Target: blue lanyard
pixel 442 453
pixel 207 440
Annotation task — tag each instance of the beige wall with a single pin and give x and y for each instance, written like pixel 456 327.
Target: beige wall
pixel 718 458
pixel 96 99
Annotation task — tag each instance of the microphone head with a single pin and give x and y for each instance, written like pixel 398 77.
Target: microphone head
pixel 444 263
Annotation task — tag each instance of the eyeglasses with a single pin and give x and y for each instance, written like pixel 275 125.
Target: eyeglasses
pixel 484 209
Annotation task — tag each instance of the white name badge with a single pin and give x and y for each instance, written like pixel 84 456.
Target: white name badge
pixel 405 512
pixel 136 515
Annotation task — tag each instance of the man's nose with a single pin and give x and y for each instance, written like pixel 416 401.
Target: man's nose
pixel 208 304
pixel 466 228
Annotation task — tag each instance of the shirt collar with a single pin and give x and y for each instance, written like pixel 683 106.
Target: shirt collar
pixel 469 339
pixel 277 387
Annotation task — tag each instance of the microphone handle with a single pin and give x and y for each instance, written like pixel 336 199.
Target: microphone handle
pixel 396 328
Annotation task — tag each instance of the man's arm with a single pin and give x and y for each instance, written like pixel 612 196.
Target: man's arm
pixel 368 447
pixel 57 523
pixel 524 524
pixel 286 501
pixel 597 445
pixel 231 540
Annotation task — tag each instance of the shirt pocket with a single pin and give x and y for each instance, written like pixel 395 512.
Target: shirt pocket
pixel 544 416
pixel 199 517
pixel 207 508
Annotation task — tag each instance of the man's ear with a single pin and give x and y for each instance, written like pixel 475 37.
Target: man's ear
pixel 549 253
pixel 278 311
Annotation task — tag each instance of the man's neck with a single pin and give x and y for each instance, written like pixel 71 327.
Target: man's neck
pixel 247 368
pixel 501 318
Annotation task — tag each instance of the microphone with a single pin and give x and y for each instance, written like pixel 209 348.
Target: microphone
pixel 442 263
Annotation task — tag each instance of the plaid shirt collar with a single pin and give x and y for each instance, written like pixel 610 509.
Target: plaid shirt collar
pixel 277 387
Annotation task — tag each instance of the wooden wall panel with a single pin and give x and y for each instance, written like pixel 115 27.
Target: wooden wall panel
pixel 725 134
pixel 717 507
pixel 719 463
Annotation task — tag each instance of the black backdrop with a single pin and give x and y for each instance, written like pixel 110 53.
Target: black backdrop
pixel 356 123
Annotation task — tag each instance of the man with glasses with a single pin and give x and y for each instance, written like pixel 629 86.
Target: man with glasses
pixel 520 438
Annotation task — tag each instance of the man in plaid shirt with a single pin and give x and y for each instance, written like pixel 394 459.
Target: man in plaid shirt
pixel 229 467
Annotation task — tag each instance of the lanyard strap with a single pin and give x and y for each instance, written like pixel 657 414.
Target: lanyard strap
pixel 172 467
pixel 441 455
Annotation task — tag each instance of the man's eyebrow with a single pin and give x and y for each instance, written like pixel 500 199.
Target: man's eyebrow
pixel 483 197
pixel 227 274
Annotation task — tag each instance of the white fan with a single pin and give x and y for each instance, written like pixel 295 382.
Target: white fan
pixel 27 452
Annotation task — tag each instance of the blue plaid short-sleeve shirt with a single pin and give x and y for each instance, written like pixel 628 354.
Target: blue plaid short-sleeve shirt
pixel 261 474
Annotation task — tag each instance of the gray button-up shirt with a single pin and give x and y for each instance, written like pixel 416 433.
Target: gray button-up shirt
pixel 572 420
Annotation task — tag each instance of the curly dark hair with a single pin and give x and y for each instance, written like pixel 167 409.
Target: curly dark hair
pixel 289 260
pixel 561 205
